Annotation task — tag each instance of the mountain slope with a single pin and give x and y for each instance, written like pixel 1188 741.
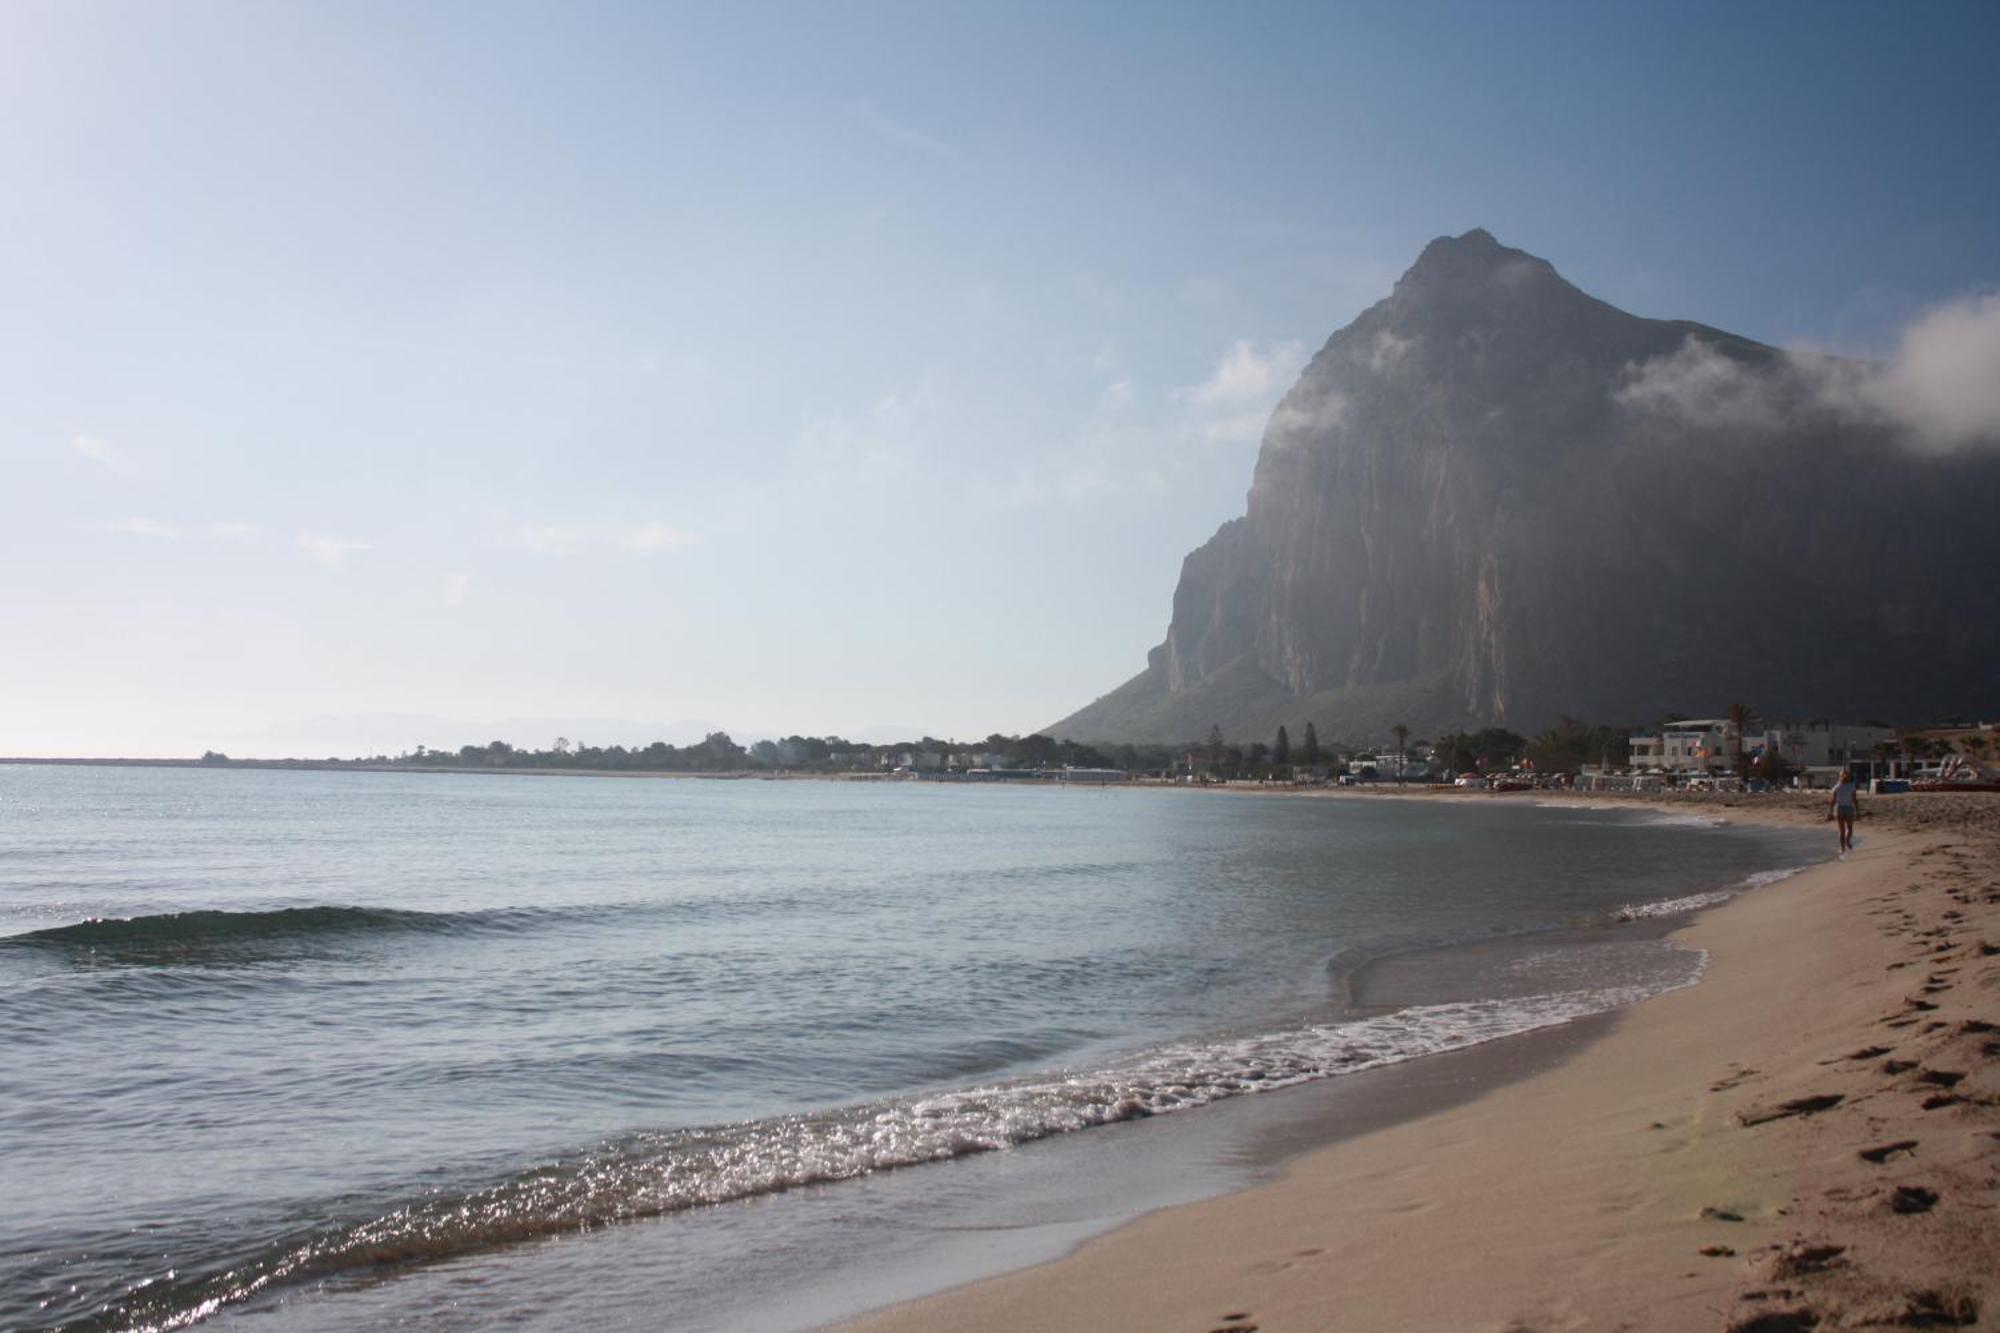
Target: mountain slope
pixel 1494 499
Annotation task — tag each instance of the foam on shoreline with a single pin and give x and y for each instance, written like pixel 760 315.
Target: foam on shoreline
pixel 1646 1181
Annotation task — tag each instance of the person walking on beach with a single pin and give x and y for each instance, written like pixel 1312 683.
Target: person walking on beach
pixel 1842 806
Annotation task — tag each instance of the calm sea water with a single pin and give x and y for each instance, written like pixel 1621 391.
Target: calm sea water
pixel 359 1050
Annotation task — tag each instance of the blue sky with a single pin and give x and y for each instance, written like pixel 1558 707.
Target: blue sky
pixel 817 367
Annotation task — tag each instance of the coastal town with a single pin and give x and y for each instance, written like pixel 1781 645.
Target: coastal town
pixel 1737 751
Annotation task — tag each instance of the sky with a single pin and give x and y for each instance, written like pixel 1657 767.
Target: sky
pixel 827 368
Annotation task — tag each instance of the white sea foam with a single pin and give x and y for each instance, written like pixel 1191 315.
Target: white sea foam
pixel 650 1174
pixel 1696 901
pixel 1673 906
pixel 1679 819
pixel 1644 815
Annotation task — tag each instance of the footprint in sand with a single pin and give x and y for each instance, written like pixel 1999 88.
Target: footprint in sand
pixel 1824 1101
pixel 1884 1152
pixel 1801 1320
pixel 1800 1260
pixel 1910 1199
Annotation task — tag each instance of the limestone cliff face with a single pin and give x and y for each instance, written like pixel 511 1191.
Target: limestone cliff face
pixel 1480 504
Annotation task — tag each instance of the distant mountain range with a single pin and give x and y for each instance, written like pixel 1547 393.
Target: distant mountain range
pixel 1493 499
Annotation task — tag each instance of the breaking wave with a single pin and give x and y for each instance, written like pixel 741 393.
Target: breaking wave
pixel 189 937
pixel 656 1173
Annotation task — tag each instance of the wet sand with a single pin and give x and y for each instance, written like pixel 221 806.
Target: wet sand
pixel 1808 1138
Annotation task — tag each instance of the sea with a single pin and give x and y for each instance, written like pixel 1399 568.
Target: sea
pixel 305 1050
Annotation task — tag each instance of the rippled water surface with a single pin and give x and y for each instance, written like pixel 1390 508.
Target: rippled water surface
pixel 353 1049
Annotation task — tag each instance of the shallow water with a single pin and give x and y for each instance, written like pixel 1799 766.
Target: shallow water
pixel 356 1049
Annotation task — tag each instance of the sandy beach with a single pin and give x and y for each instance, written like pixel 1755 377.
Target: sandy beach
pixel 1808 1138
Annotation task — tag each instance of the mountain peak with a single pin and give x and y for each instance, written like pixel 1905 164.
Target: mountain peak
pixel 1475 271
pixel 1474 255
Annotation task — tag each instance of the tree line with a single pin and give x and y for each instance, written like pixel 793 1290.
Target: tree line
pixel 1569 746
pixel 718 753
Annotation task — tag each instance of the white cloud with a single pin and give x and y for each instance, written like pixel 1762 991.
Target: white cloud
pixel 97 451
pixel 234 531
pixel 1235 402
pixel 143 527
pixel 1700 385
pixel 1940 389
pixel 455 586
pixel 1297 421
pixel 658 537
pixel 1247 375
pixel 632 538
pixel 329 551
pixel 1944 380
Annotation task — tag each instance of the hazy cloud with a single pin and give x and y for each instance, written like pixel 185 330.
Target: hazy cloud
pixel 455 586
pixel 885 439
pixel 658 537
pixel 1233 405
pixel 1704 387
pixel 632 538
pixel 1297 420
pixel 142 527
pixel 329 551
pixel 1940 389
pixel 1086 474
pixel 1246 374
pixel 97 451
pixel 234 531
pixel 1387 350
pixel 1136 447
pixel 898 133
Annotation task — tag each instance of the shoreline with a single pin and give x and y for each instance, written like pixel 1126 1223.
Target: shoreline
pixel 1662 1175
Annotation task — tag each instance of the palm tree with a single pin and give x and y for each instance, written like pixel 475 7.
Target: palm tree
pixel 1740 718
pixel 1402 734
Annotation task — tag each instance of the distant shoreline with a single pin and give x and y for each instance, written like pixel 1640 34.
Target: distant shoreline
pixel 368 766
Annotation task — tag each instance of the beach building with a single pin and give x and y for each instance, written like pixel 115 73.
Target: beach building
pixel 1700 744
pixel 1708 745
pixel 1812 745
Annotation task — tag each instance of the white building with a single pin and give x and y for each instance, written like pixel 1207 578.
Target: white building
pixel 1708 745
pixel 1705 744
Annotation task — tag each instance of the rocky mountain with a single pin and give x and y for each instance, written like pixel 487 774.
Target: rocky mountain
pixel 1494 499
